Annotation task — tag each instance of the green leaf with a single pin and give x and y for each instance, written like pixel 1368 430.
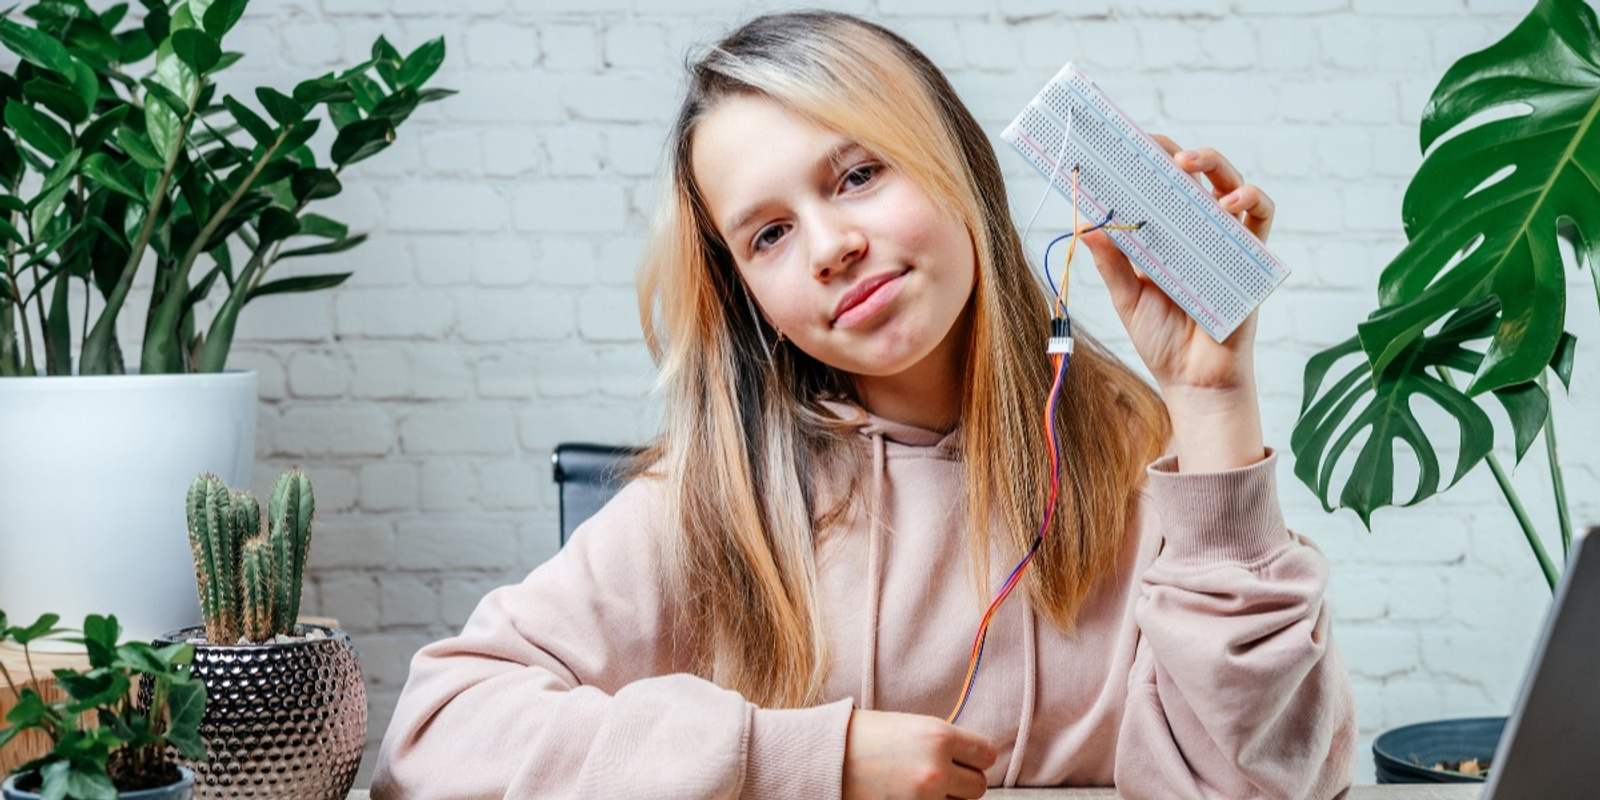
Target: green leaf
pixel 222 16
pixel 100 637
pixel 430 95
pixel 89 784
pixel 1334 414
pixel 387 60
pixel 1562 361
pixel 368 92
pixel 1550 62
pixel 250 121
pixel 139 149
pixel 396 107
pixel 9 232
pixel 39 130
pixel 299 134
pixel 281 107
pixel 44 626
pixel 360 140
pixel 277 223
pixel 229 58
pixel 10 202
pixel 102 170
pixel 186 703
pixel 93 43
pixel 343 114
pixel 301 283
pixel 86 83
pixel 324 249
pixel 421 64
pixel 166 97
pixel 314 184
pixel 36 47
pixel 318 225
pixel 197 49
pixel 61 101
pixel 101 129
pixel 325 89
pixel 136 45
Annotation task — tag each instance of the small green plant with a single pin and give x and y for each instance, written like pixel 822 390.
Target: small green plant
pixel 249 582
pixel 103 741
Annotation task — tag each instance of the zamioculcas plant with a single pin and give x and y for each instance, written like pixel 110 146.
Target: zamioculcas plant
pixel 118 155
pixel 249 581
pixel 1511 139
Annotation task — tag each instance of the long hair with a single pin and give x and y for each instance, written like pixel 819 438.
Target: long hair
pixel 745 436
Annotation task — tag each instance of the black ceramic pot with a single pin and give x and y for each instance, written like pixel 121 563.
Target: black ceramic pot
pixel 182 790
pixel 282 720
pixel 1406 754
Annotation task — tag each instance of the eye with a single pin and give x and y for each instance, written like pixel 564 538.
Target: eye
pixel 767 237
pixel 861 176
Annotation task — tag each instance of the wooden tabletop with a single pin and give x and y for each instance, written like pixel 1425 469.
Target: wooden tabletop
pixel 1451 791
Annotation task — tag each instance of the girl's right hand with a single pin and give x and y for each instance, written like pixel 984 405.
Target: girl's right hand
pixel 889 756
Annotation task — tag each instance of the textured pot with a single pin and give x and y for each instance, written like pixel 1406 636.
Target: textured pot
pixel 182 790
pixel 1401 753
pixel 282 720
pixel 91 506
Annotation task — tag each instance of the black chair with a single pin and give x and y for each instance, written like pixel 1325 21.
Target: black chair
pixel 589 475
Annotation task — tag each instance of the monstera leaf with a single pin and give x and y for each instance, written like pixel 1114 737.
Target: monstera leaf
pixel 1383 407
pixel 1484 210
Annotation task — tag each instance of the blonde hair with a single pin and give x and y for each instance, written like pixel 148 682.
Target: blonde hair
pixel 745 433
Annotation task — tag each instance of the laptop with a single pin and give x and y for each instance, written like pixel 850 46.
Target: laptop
pixel 1551 744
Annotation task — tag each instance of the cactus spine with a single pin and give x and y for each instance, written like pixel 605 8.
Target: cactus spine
pixel 249 582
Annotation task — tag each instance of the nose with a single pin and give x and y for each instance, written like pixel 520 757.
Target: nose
pixel 837 242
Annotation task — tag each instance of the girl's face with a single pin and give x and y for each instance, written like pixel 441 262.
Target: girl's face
pixel 844 255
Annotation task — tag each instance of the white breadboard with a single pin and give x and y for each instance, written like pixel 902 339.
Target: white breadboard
pixel 1199 254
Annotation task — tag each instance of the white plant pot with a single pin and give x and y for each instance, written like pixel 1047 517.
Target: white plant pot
pixel 93 473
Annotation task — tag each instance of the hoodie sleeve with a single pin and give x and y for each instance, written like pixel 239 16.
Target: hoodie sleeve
pixel 1236 690
pixel 569 685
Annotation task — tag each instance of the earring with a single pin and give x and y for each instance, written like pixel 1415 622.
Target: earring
pixel 782 338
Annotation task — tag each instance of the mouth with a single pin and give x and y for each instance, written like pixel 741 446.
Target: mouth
pixel 866 298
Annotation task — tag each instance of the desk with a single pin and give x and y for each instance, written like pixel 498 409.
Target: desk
pixel 1451 791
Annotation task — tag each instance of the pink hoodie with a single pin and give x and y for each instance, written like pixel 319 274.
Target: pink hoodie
pixel 1203 667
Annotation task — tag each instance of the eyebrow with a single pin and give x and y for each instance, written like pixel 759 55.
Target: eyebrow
pixel 834 157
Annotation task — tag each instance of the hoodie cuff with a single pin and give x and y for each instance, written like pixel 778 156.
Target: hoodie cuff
pixel 1227 516
pixel 798 752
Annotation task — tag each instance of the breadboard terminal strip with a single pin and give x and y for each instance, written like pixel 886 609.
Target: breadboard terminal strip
pixel 1199 254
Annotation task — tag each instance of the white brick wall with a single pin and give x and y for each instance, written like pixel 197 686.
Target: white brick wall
pixel 492 315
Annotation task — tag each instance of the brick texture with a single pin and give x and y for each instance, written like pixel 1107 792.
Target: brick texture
pixel 492 313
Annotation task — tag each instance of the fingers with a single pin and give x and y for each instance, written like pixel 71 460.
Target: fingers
pixel 967 783
pixel 1257 208
pixel 1245 201
pixel 972 750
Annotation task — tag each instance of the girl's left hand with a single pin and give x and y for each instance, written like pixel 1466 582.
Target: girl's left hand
pixel 1179 353
pixel 1209 388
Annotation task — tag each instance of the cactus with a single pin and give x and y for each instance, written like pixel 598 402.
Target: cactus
pixel 249 582
pixel 290 511
pixel 209 509
pixel 257 589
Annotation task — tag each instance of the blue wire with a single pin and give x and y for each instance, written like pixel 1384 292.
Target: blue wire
pixel 1063 237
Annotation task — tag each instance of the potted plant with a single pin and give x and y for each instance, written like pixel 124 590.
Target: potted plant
pixel 288 715
pixel 104 745
pixel 1511 168
pixel 120 160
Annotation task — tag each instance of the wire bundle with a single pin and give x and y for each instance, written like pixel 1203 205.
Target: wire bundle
pixel 1060 352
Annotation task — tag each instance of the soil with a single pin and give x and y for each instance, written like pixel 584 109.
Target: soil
pixel 1467 766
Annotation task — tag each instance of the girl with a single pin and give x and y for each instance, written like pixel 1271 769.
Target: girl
pixel 783 602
